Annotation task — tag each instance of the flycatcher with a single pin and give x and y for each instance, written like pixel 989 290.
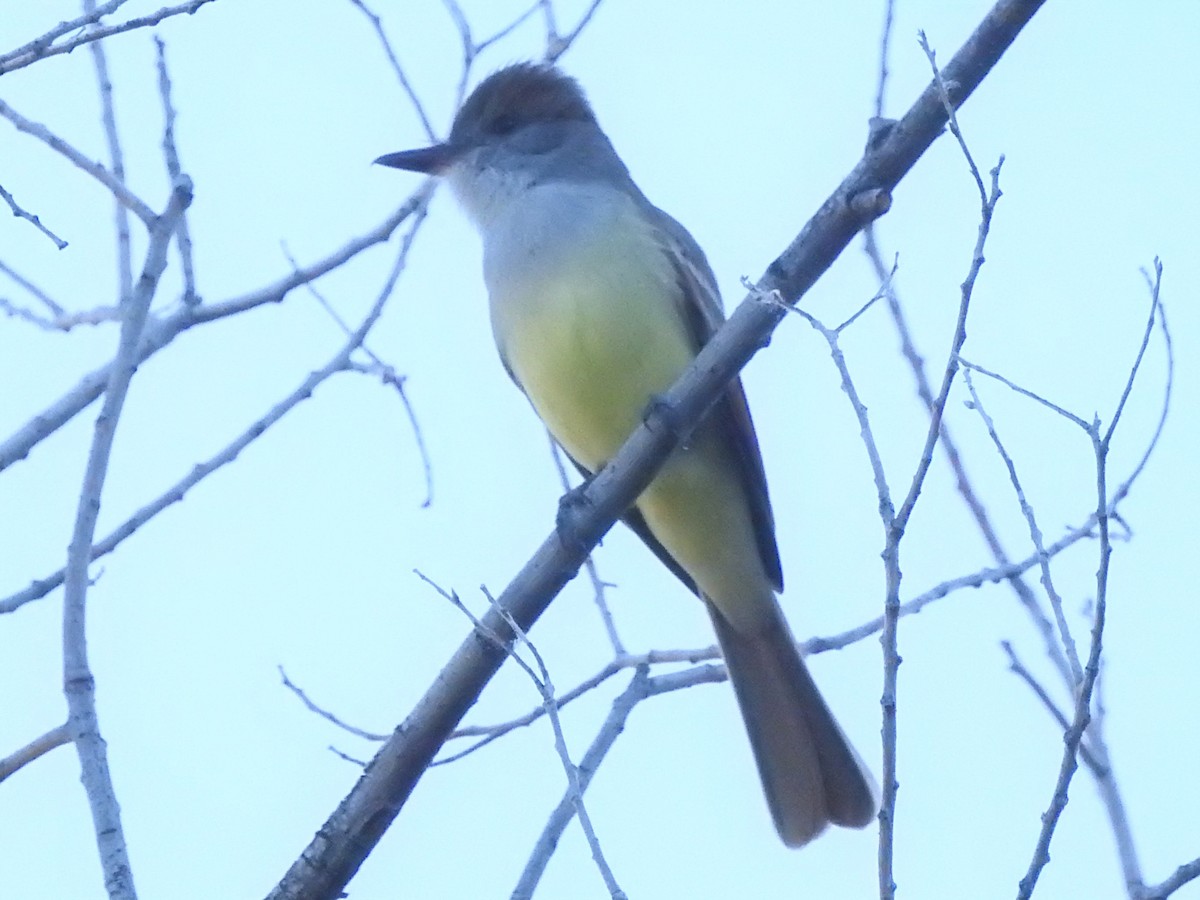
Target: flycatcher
pixel 599 301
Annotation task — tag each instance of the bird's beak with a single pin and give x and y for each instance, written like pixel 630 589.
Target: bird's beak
pixel 429 160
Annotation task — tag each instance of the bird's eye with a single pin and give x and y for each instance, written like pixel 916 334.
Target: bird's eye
pixel 504 124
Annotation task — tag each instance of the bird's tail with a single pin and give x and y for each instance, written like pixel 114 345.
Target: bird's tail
pixel 810 774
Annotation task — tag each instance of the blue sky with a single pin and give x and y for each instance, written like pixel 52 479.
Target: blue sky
pixel 302 553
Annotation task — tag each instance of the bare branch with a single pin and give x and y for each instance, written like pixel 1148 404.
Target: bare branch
pixel 276 292
pixel 1083 699
pixel 397 69
pixel 1018 668
pixel 35 749
pixel 325 714
pixel 1168 389
pixel 894 527
pixel 78 683
pixel 114 184
pixel 183 237
pixel 556 44
pixel 640 688
pixel 28 315
pixel 228 454
pixel 950 447
pixel 385 372
pixel 1025 392
pixel 509 28
pixel 628 661
pixel 29 217
pixel 108 118
pixel 43 47
pixel 39 44
pixel 1186 873
pixel 1083 695
pixel 885 43
pixel 1155 287
pixel 1035 533
pixel 576 783
pixel 599 585
pixel 160 332
pixel 575 786
pixel 831 336
pixel 33 289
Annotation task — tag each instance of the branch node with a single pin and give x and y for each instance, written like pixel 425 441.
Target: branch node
pixel 870 204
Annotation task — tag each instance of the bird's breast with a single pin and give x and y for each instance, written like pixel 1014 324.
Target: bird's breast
pixel 585 311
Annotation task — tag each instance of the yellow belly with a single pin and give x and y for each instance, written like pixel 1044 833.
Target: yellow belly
pixel 591 339
pixel 591 349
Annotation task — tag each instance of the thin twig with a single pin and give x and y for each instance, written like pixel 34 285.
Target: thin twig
pixel 1025 392
pixel 885 43
pixel 831 336
pixel 393 379
pixel 230 452
pixel 28 315
pixel 324 713
pixel 490 733
pixel 641 687
pixel 551 24
pixel 576 783
pixel 1082 712
pixel 949 446
pixel 1155 288
pixel 43 47
pixel 115 185
pixel 895 526
pixel 160 332
pixel 29 217
pixel 557 45
pixel 35 749
pixel 1101 444
pixel 1035 533
pixel 1168 390
pixel 33 289
pixel 508 29
pixel 108 117
pixel 397 68
pixel 384 371
pixel 38 44
pixel 1098 767
pixel 1188 872
pixel 183 237
pixel 599 585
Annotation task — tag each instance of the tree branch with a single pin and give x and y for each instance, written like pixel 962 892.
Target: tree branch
pixel 78 683
pixel 44 46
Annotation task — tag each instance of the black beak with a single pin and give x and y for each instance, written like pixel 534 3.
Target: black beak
pixel 429 160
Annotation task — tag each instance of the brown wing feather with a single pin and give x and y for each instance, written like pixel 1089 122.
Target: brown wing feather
pixel 700 306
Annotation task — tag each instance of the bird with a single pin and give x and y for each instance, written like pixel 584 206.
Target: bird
pixel 598 302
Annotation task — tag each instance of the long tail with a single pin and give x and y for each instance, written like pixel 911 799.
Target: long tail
pixel 810 774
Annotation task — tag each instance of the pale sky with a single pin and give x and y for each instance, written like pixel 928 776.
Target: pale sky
pixel 301 554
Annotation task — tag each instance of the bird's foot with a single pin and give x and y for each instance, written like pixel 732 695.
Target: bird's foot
pixel 566 520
